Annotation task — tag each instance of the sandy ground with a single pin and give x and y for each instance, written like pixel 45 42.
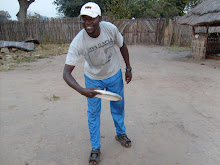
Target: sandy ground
pixel 172 113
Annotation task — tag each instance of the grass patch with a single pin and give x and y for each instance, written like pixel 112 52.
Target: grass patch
pixel 54 98
pixel 25 59
pixel 9 60
pixel 45 50
pixel 177 49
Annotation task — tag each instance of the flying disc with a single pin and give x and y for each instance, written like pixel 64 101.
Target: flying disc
pixel 107 95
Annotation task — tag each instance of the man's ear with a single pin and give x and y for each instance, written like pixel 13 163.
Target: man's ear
pixel 100 18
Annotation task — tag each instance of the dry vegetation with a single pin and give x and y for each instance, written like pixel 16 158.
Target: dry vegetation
pixel 177 49
pixel 9 59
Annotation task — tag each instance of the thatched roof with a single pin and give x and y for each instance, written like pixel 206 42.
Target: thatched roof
pixel 206 13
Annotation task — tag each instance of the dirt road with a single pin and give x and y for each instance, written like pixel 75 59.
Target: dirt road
pixel 172 113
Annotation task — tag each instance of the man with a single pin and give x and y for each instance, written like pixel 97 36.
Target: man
pixel 102 71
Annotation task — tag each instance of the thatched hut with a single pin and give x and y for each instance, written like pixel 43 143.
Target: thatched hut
pixel 204 44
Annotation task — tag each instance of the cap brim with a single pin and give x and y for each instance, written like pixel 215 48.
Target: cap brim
pixel 90 14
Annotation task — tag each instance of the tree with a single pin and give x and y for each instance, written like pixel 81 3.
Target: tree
pixel 4 16
pixel 161 8
pixel 192 4
pixel 22 14
pixel 118 9
pixel 121 9
pixel 34 15
pixel 69 8
pixel 145 9
pixel 114 8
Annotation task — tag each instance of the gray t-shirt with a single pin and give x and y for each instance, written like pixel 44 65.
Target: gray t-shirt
pixel 101 59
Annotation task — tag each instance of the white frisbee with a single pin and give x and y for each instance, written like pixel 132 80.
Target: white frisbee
pixel 107 95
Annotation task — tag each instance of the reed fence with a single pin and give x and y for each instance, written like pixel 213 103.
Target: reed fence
pixel 49 30
pixel 142 30
pixel 54 30
pixel 180 35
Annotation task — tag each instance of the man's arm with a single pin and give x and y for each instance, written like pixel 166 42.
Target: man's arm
pixel 70 80
pixel 125 55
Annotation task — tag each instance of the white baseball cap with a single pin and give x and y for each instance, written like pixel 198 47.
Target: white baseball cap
pixel 91 9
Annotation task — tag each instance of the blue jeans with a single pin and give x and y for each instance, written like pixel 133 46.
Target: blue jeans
pixel 113 84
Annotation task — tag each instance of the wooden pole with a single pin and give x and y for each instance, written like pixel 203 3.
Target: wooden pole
pixel 193 31
pixel 206 42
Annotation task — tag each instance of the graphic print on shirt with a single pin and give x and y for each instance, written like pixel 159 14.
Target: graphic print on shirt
pixel 101 54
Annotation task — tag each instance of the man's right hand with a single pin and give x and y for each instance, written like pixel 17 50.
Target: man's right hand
pixel 67 76
pixel 89 92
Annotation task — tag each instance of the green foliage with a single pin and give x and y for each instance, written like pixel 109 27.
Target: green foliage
pixel 161 8
pixel 31 15
pixel 69 8
pixel 4 16
pixel 145 9
pixel 192 4
pixel 118 9
pixel 122 9
pixel 157 8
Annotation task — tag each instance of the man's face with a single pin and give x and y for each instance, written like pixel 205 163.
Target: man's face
pixel 91 25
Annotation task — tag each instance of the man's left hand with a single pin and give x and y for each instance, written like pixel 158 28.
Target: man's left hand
pixel 128 76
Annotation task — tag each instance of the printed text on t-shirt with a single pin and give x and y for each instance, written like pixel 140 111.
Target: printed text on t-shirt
pixel 109 41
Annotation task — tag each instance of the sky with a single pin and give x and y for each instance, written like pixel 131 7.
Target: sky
pixel 42 7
